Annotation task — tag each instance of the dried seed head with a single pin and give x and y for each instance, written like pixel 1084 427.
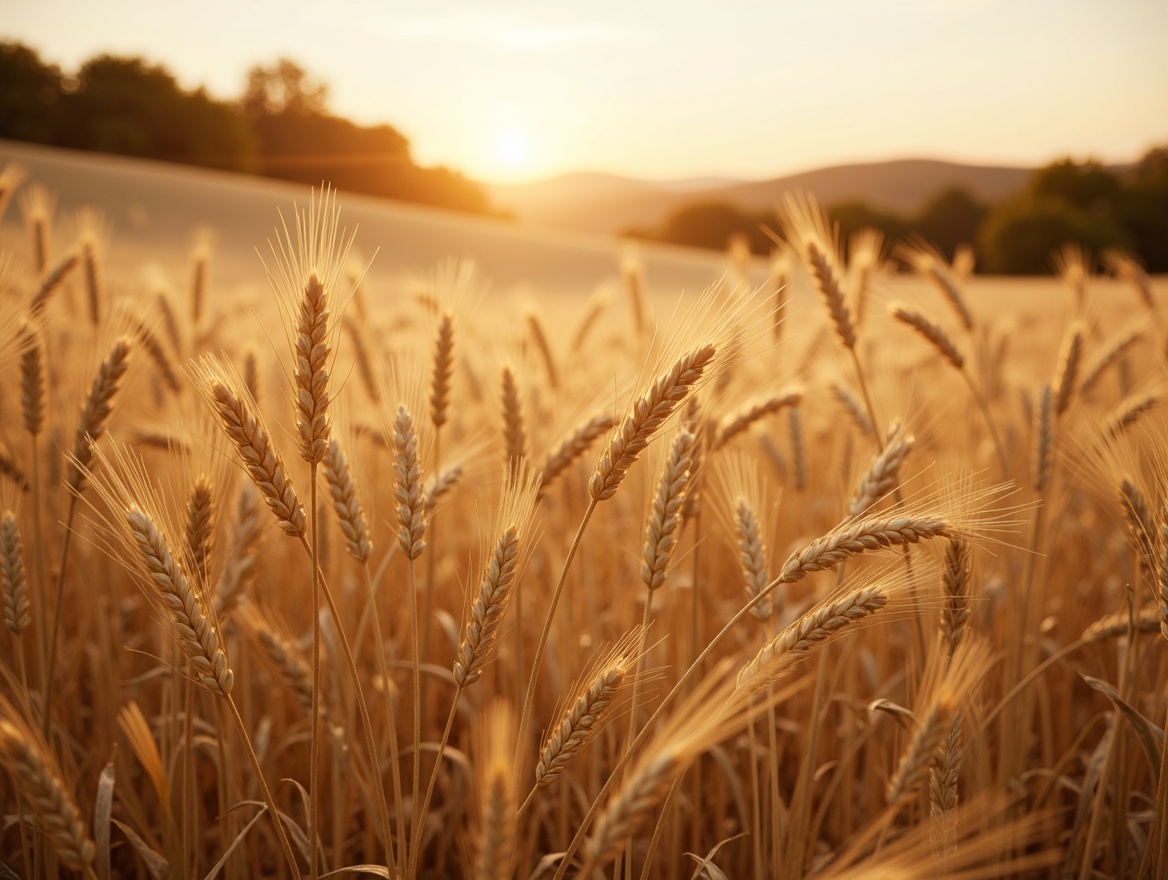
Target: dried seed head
pixel 13 583
pixel 649 413
pixel 408 487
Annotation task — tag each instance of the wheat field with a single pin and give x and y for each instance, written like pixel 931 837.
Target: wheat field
pixel 855 573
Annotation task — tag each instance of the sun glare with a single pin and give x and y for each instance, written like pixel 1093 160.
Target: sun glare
pixel 512 148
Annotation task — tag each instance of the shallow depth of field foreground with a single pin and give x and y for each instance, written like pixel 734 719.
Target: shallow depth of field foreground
pixel 852 574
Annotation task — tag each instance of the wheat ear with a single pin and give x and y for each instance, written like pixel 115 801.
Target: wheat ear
pixel 933 333
pixel 823 623
pixel 752 558
pixel 1043 439
pixel 96 412
pixel 737 422
pixel 51 283
pixel 572 447
pixel 200 537
pixel 665 516
pixel 443 370
pixel 350 514
pixel 514 432
pixel 869 534
pixel 241 569
pixel 38 780
pixel 649 412
pixel 884 471
pixel 439 485
pixel 408 488
pixel 193 627
pixel 1067 371
pixel 486 612
pixel 242 423
pixel 13 583
pixel 32 380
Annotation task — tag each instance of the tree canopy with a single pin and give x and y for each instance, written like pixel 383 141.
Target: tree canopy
pixel 279 127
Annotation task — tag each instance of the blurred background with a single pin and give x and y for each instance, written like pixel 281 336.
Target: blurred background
pixel 1015 128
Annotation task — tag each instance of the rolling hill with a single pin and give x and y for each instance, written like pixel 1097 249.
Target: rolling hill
pixel 608 204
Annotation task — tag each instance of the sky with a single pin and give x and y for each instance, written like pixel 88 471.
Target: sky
pixel 668 89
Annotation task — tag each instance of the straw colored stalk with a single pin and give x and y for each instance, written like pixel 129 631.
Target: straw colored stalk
pixel 648 414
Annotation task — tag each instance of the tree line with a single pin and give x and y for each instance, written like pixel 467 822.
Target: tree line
pixel 280 126
pixel 1066 202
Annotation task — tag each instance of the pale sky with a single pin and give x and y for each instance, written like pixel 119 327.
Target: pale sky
pixel 508 91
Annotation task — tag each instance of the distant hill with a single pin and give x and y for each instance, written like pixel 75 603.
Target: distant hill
pixel 608 203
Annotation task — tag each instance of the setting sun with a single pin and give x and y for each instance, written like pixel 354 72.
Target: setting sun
pixel 513 148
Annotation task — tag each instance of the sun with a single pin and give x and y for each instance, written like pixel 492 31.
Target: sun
pixel 512 148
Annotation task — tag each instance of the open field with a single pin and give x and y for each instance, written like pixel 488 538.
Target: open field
pixel 462 568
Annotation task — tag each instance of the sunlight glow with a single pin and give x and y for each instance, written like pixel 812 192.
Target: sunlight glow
pixel 513 148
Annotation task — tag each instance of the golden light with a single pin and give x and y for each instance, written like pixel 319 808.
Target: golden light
pixel 513 148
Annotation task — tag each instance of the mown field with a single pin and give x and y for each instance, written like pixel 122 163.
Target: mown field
pixel 565 562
